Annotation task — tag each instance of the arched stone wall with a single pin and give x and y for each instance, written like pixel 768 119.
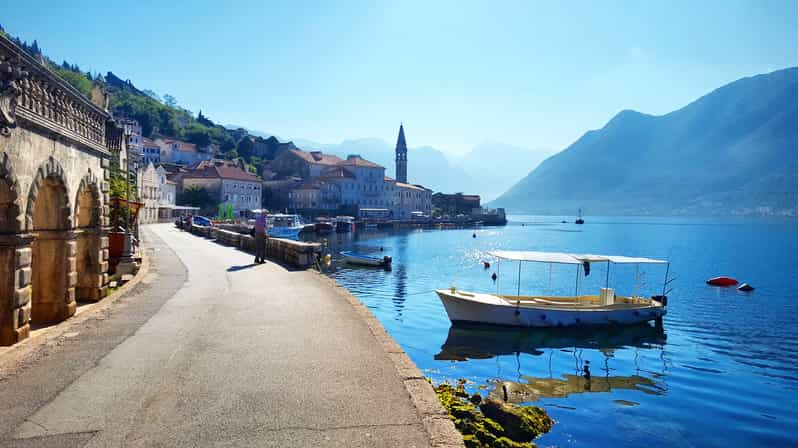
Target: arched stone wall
pixel 49 219
pixel 15 257
pixel 91 257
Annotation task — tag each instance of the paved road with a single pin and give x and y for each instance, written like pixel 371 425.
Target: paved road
pixel 214 351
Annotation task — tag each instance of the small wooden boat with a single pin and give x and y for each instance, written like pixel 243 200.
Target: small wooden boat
pixel 722 281
pixel 557 311
pixel 366 260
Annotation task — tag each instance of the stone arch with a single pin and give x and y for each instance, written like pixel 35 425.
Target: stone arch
pixel 88 208
pixel 14 260
pixel 49 174
pixel 90 265
pixel 48 217
pixel 10 217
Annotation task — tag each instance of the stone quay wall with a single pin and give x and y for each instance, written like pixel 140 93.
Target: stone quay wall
pixel 298 254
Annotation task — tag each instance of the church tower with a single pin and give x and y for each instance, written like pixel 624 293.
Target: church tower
pixel 401 156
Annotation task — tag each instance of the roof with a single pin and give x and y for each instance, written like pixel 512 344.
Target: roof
pixel 410 186
pixel 400 141
pixel 337 172
pixel 317 157
pixel 359 161
pixel 566 258
pixel 220 171
pixel 148 142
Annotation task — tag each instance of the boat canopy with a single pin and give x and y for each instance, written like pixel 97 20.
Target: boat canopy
pixel 565 258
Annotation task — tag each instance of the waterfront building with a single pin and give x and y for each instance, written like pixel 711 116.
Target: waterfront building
pixel 457 203
pixel 226 182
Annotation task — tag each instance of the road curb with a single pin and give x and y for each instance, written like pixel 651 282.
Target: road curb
pixel 11 357
pixel 437 423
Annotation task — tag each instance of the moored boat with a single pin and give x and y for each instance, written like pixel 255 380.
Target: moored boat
pixel 606 308
pixel 324 226
pixel 722 281
pixel 285 226
pixel 344 224
pixel 366 260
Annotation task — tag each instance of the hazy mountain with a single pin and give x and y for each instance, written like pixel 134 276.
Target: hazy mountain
pixel 495 167
pixel 425 165
pixel 731 151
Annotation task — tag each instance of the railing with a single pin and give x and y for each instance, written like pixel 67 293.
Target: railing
pixel 30 91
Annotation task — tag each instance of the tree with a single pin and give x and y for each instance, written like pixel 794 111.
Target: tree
pixel 196 196
pixel 152 95
pixel 202 119
pixel 170 101
pixel 246 147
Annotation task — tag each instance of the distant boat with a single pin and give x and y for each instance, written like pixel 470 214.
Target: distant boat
pixel 556 311
pixel 722 281
pixel 366 260
pixel 324 226
pixel 579 220
pixel 344 224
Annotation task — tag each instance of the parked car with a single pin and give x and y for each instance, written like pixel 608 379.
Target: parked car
pixel 201 221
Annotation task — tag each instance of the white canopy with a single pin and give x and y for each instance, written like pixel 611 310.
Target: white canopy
pixel 564 258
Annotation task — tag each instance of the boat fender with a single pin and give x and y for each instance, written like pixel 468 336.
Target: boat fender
pixel 586 370
pixel 494 276
pixel 661 299
pixel 486 264
pixel 745 287
pixel 327 259
pixel 474 235
pixel 387 259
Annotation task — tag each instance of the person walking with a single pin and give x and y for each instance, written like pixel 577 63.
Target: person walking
pixel 260 238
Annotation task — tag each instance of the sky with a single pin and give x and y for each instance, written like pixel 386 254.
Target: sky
pixel 532 74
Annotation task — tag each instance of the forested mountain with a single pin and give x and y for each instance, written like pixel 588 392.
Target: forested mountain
pixel 732 151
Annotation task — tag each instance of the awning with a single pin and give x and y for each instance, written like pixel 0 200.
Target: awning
pixel 566 258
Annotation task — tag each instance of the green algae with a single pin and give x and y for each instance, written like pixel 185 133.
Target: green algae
pixel 490 422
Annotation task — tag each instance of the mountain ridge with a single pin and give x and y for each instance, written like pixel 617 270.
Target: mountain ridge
pixel 708 157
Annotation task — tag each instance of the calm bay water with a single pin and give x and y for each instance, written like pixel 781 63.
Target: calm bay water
pixel 722 371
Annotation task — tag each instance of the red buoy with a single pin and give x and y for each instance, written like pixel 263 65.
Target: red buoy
pixel 722 281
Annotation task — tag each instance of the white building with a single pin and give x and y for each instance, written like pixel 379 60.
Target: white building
pixel 176 151
pixel 149 194
pixel 150 151
pixel 227 182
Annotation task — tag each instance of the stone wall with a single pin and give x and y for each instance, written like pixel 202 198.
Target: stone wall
pixel 293 253
pixel 54 162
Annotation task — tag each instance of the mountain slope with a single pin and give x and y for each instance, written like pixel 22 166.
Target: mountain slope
pixel 731 151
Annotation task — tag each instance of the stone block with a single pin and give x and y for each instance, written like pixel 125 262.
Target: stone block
pixel 23 257
pixel 72 248
pixel 104 187
pixel 72 278
pixel 72 264
pixel 104 266
pixel 23 315
pixel 22 296
pixel 104 242
pixel 23 277
pixel 70 297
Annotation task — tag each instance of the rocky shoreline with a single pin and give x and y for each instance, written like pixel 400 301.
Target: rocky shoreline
pixel 491 422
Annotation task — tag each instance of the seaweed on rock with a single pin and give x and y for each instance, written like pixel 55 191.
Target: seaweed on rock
pixel 490 422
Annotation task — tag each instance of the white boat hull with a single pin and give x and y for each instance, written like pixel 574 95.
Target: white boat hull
pixel 490 309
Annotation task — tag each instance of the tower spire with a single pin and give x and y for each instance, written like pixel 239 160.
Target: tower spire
pixel 401 155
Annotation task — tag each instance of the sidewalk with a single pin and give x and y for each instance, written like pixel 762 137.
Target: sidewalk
pixel 244 355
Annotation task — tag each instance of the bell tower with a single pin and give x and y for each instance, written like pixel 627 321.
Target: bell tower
pixel 401 156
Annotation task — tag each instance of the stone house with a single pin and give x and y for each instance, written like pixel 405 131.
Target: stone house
pixel 149 188
pixel 226 182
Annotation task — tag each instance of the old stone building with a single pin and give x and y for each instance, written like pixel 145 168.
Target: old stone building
pixel 54 155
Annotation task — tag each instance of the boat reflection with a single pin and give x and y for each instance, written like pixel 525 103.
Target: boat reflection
pixel 473 341
pixel 537 388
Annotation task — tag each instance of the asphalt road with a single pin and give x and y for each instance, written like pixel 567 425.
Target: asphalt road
pixel 211 350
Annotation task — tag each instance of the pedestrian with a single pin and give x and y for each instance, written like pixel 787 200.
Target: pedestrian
pixel 260 238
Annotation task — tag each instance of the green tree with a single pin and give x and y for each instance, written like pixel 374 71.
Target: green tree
pixel 196 196
pixel 170 101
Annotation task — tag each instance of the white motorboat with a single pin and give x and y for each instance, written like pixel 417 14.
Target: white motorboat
pixel 285 226
pixel 557 311
pixel 366 260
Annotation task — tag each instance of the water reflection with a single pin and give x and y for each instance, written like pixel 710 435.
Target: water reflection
pixel 473 341
pixel 537 388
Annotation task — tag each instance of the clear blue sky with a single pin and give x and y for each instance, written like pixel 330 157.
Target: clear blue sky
pixel 528 73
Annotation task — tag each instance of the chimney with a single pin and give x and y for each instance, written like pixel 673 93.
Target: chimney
pixel 352 156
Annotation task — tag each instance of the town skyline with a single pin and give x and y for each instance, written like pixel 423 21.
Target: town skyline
pixel 354 71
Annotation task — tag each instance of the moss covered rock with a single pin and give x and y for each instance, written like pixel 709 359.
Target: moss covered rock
pixel 503 425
